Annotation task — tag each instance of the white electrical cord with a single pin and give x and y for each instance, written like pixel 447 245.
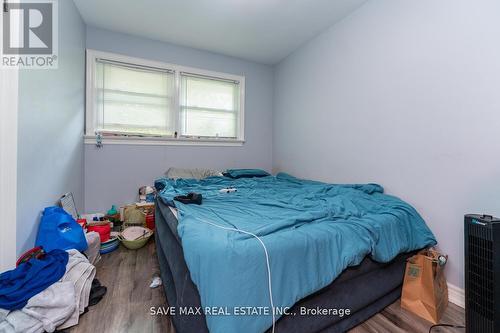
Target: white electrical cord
pixel 267 262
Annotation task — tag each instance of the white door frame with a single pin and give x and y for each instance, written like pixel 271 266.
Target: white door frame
pixel 9 86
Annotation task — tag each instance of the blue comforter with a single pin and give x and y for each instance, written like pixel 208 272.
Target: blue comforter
pixel 312 232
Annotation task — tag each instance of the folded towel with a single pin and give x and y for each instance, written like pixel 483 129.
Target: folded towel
pixel 94 242
pixel 81 273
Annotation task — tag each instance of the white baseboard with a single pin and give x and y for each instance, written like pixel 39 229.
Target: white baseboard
pixel 456 295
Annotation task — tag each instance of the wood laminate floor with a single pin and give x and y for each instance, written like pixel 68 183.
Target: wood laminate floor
pixel 126 306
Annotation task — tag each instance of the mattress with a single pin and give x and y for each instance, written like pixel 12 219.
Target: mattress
pixel 294 235
pixel 364 289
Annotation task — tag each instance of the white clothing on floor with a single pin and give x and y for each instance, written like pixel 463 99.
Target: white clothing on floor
pixel 43 312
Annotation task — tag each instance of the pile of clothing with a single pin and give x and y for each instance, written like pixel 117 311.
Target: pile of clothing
pixel 48 293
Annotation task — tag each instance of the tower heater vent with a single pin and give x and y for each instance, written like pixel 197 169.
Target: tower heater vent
pixel 482 273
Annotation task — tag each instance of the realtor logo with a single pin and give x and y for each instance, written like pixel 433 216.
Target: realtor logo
pixel 29 38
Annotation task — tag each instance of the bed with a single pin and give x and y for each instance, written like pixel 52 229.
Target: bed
pixel 329 247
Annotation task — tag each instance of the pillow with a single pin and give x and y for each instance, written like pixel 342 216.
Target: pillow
pixel 245 173
pixel 176 173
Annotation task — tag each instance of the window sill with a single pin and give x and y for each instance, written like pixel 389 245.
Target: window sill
pixel 157 141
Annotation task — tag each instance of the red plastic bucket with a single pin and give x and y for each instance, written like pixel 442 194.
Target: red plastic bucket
pixel 150 221
pixel 103 230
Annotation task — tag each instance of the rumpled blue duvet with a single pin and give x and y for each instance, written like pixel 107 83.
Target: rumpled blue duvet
pixel 312 231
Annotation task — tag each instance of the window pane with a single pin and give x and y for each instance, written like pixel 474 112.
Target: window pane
pixel 200 122
pixel 209 107
pixel 134 100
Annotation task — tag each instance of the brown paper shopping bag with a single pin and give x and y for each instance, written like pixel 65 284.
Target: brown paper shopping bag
pixel 425 292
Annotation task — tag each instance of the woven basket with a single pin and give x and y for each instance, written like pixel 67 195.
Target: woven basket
pixel 133 216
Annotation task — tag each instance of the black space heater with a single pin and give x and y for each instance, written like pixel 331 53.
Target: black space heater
pixel 482 274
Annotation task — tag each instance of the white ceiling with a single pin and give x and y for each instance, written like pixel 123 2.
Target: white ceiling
pixel 264 31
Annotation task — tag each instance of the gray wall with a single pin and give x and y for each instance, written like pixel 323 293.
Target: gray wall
pixel 405 94
pixel 114 173
pixel 50 134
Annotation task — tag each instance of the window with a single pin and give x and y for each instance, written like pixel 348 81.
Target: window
pixel 133 100
pixel 209 107
pixel 129 97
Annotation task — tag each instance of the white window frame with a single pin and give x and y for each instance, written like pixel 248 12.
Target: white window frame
pixel 90 112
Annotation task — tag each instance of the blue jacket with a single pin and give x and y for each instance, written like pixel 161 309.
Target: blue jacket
pixel 17 286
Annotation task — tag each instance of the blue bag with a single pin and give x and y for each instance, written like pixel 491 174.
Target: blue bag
pixel 58 230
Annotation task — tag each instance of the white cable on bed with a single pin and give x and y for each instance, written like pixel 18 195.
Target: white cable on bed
pixel 267 262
